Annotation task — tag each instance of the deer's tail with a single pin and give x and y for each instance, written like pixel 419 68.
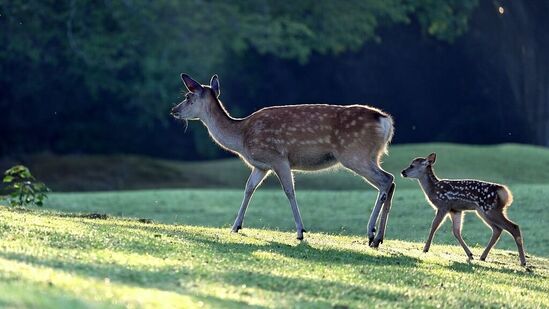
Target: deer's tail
pixel 505 196
pixel 386 130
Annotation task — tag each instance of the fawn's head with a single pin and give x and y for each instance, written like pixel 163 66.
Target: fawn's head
pixel 419 166
pixel 198 100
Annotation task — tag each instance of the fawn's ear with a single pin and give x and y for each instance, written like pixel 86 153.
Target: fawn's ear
pixel 432 158
pixel 214 83
pixel 190 83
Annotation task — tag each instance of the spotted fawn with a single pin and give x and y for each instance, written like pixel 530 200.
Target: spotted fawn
pixel 453 197
pixel 309 137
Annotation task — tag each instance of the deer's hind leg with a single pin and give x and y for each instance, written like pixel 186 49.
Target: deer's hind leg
pixel 367 167
pixel 497 217
pixel 496 234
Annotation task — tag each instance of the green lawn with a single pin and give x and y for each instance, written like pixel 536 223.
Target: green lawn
pixel 53 260
pixel 508 163
pixel 186 257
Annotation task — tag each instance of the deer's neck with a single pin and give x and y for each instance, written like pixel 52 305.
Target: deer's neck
pixel 428 181
pixel 224 129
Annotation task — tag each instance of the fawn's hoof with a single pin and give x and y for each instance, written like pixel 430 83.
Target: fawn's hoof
pixel 425 250
pixel 235 229
pixel 482 258
pixel 370 241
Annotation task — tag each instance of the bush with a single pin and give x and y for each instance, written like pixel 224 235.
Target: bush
pixel 22 188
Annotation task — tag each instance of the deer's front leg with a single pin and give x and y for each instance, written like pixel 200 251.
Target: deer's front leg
pixel 255 179
pixel 439 217
pixel 457 218
pixel 286 178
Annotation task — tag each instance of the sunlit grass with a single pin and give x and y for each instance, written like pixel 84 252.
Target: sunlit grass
pixel 54 258
pixel 76 262
pixel 336 212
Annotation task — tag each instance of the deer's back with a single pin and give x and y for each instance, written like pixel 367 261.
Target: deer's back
pixel 310 136
pixel 480 195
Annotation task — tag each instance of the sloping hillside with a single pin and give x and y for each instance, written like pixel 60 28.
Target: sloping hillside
pixel 504 163
pixel 50 260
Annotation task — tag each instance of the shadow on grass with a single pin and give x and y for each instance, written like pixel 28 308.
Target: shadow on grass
pixel 161 241
pixel 169 279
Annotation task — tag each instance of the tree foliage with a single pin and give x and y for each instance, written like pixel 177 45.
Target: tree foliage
pixel 118 61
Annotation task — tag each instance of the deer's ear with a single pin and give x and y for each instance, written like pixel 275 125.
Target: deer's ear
pixel 214 83
pixel 432 158
pixel 190 83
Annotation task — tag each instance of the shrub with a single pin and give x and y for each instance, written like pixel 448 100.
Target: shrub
pixel 22 188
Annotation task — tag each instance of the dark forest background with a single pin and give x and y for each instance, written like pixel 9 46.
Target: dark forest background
pixel 101 76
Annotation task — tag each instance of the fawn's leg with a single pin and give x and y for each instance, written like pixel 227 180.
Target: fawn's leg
pixel 384 217
pixel 457 219
pixel 255 179
pixel 284 174
pixel 496 233
pixel 377 177
pixel 497 217
pixel 439 218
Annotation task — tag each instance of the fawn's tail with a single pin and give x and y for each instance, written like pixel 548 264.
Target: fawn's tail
pixel 505 196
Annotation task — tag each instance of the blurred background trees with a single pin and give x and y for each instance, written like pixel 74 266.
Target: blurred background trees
pixel 100 76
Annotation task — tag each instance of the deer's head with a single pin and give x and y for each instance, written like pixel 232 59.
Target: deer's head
pixel 419 166
pixel 198 100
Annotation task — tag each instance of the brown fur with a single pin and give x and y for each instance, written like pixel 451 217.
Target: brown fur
pixel 298 137
pixel 454 197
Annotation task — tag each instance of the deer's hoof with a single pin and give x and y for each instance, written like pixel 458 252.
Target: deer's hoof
pixel 483 258
pixel 235 229
pixel 370 240
pixel 425 250
pixel 299 237
pixel 376 243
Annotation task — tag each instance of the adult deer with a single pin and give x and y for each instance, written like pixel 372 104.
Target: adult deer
pixel 298 137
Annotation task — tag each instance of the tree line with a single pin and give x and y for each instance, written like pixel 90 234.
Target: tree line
pixel 100 76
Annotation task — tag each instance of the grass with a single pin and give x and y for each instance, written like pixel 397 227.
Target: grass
pixel 336 212
pixel 183 254
pixel 49 259
pixel 508 163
